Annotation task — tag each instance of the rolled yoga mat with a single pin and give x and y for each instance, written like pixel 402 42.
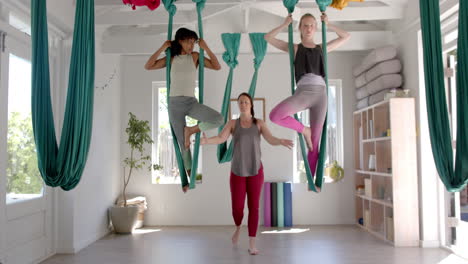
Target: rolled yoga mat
pixel 287 204
pixel 280 204
pixel 274 206
pixel 267 204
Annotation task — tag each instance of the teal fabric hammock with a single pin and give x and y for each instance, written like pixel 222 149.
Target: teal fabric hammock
pixel 290 5
pixel 171 9
pixel 439 126
pixel 63 165
pixel 231 44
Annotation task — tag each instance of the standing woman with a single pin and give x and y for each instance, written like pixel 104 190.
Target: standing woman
pixel 182 102
pixel 311 87
pixel 246 166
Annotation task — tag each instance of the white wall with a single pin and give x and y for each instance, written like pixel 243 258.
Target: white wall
pixel 82 212
pixel 209 203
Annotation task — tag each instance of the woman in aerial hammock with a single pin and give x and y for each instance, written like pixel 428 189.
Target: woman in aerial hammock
pixel 182 102
pixel 311 87
pixel 246 166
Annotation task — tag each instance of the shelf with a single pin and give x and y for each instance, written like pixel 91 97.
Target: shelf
pixel 377 234
pixel 374 173
pixel 386 165
pixel 382 202
pixel 376 139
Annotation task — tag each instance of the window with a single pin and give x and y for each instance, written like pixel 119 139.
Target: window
pixel 163 147
pixel 334 133
pixel 23 178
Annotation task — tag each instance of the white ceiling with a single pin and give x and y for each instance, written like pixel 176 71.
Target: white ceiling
pixel 241 15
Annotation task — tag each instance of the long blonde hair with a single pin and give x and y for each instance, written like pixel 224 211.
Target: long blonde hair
pixel 302 18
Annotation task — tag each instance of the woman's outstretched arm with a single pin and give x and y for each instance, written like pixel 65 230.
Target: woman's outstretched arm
pixel 272 140
pixel 222 137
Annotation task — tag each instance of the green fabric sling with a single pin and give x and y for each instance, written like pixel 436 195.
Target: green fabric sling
pixel 63 165
pixel 231 43
pixel 439 126
pixel 171 9
pixel 290 5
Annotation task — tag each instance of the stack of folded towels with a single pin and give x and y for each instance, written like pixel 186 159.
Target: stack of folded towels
pixel 378 74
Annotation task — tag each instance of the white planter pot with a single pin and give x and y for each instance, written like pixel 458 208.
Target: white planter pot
pixel 124 219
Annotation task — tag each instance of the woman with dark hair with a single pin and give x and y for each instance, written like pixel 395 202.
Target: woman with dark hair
pixel 182 102
pixel 246 166
pixel 311 91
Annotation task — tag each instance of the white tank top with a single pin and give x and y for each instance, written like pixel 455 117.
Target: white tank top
pixel 183 75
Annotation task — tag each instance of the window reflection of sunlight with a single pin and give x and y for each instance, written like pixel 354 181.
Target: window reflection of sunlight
pixel 145 231
pixel 287 231
pixel 453 259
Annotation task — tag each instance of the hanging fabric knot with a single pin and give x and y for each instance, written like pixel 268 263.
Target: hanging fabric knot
pixel 170 7
pixel 323 4
pixel 290 5
pixel 232 63
pixel 200 4
pixel 257 63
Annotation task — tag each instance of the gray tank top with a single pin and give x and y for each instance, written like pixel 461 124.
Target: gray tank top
pixel 246 157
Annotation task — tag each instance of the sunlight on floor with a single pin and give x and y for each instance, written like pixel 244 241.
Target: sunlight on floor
pixel 453 259
pixel 145 231
pixel 288 231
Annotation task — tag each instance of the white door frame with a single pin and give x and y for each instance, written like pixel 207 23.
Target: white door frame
pixel 26 226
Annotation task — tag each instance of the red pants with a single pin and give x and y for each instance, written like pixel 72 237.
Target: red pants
pixel 252 186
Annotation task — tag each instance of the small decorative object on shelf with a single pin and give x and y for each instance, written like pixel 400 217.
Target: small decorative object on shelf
pixel 372 162
pixel 360 189
pixel 334 171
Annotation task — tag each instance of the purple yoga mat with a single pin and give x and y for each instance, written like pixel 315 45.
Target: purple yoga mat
pixel 267 204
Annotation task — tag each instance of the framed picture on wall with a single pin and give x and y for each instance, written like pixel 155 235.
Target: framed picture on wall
pixel 259 107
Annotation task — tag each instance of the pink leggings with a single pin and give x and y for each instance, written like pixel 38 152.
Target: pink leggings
pixel 252 186
pixel 312 97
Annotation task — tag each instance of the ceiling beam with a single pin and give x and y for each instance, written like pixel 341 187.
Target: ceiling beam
pixel 147 44
pixel 159 16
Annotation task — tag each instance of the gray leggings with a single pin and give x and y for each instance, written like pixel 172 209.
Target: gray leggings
pixel 181 106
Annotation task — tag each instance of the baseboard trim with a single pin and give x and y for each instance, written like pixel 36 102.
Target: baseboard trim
pixel 429 243
pixel 82 244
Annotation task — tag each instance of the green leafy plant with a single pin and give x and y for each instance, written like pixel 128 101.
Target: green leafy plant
pixel 23 176
pixel 139 134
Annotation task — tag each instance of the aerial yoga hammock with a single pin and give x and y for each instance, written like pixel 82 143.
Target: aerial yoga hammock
pixel 62 165
pixel 313 161
pixel 231 43
pixel 171 9
pixel 455 178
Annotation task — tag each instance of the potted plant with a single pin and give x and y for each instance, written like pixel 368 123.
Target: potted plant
pixel 125 217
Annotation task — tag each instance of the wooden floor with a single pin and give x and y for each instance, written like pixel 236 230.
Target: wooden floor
pixel 206 245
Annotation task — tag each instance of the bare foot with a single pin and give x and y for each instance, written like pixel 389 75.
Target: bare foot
pixel 252 249
pixel 316 188
pixel 308 137
pixel 187 134
pixel 185 188
pixel 235 236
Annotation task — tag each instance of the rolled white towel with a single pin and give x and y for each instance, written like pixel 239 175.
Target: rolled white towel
pixel 386 67
pixel 380 96
pixel 377 55
pixel 362 103
pixel 362 93
pixel 384 82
